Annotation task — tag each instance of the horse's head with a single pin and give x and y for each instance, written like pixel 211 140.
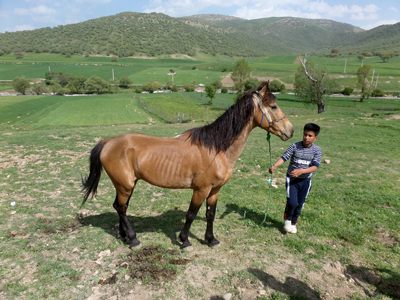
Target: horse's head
pixel 269 116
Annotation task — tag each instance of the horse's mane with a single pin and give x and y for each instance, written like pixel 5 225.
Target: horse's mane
pixel 220 134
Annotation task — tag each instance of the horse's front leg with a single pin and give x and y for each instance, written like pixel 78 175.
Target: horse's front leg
pixel 210 216
pixel 197 199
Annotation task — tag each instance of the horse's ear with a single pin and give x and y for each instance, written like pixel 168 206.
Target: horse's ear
pixel 263 88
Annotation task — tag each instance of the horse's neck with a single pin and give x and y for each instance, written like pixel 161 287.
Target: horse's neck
pixel 237 147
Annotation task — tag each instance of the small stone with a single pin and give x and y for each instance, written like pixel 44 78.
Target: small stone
pixel 327 161
pixel 105 253
pixel 262 292
pixel 227 296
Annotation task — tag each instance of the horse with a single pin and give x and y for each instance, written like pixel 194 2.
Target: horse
pixel 202 159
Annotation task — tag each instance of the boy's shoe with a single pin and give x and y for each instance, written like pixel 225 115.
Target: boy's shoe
pixel 287 226
pixel 292 229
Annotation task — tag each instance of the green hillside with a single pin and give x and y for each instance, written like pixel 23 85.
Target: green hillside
pixel 154 34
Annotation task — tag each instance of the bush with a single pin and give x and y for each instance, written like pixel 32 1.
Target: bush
pixel 377 93
pixel 39 88
pixel 76 85
pixel 57 89
pixel 152 86
pixel 124 83
pixel 97 85
pixel 251 84
pixel 347 91
pixel 224 90
pixel 396 94
pixel 20 85
pixel 189 88
pixel 276 86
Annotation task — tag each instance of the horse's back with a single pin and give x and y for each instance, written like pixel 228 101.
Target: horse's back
pixel 166 162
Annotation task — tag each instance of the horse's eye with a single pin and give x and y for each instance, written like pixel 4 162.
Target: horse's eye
pixel 274 107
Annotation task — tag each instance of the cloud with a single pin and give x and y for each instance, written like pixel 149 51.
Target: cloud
pixel 254 9
pixel 36 10
pixel 22 27
pixel 381 22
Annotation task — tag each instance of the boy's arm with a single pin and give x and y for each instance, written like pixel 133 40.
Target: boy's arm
pixel 298 172
pixel 276 165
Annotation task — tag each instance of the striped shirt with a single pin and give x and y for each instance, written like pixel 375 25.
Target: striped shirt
pixel 302 157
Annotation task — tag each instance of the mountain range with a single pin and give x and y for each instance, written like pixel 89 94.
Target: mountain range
pixel 152 34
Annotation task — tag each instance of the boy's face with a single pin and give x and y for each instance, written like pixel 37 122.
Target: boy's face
pixel 309 138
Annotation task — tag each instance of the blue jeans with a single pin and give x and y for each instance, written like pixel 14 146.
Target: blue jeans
pixel 297 190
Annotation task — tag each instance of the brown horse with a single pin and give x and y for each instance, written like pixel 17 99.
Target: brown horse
pixel 201 159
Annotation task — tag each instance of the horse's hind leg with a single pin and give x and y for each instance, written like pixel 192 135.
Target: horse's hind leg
pixel 210 216
pixel 121 203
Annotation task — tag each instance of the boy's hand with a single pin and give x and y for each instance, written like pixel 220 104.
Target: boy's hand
pixel 272 169
pixel 296 173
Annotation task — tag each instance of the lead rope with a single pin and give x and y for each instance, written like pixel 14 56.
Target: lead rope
pixel 269 180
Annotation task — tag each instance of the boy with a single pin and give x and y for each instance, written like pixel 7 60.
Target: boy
pixel 305 158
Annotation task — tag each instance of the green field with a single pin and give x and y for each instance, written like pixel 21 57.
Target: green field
pixel 203 69
pixel 348 240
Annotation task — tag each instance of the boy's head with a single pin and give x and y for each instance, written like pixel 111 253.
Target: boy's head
pixel 310 134
pixel 312 127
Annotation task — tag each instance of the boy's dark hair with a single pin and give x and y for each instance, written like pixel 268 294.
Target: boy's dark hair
pixel 312 127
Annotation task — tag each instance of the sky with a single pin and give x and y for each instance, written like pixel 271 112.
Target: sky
pixel 16 15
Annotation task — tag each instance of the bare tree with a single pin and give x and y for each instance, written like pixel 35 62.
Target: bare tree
pixel 311 83
pixel 362 77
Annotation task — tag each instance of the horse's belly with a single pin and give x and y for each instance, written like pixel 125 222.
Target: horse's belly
pixel 167 170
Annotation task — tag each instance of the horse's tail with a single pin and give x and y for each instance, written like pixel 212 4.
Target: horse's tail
pixel 90 183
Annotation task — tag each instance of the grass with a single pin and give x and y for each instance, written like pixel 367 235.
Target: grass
pixel 203 69
pixel 348 229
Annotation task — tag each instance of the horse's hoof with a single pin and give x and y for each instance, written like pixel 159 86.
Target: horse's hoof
pixel 213 242
pixel 134 243
pixel 185 244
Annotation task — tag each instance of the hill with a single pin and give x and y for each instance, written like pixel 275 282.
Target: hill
pixel 381 38
pixel 135 34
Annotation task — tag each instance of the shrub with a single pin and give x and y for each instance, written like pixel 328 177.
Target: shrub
pixel 152 86
pixel 20 85
pixel 189 87
pixel 124 83
pixel 76 85
pixel 377 93
pixel 396 94
pixel 347 91
pixel 251 84
pixel 57 89
pixel 39 88
pixel 276 86
pixel 97 85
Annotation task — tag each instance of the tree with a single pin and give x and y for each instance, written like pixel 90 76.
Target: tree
pixel 124 82
pixel 210 91
pixel 311 83
pixel 385 56
pixel 276 86
pixel 251 84
pixel 76 85
pixel 97 85
pixel 20 85
pixel 240 74
pixel 152 86
pixel 362 78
